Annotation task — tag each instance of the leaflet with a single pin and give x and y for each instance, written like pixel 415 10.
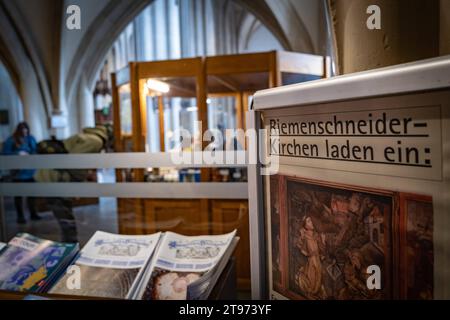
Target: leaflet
pixel 179 262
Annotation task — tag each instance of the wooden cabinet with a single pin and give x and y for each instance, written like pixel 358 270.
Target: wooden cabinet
pixel 208 85
pixel 130 212
pixel 228 215
pixel 188 217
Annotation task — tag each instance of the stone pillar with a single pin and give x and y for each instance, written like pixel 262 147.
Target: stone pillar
pixel 86 106
pixel 444 19
pixel 409 31
pixel 34 110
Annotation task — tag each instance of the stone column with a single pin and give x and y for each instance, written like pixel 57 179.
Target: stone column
pixel 86 106
pixel 409 31
pixel 444 19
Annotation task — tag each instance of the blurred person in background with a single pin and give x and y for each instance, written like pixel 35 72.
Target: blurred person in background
pixel 22 143
pixel 91 140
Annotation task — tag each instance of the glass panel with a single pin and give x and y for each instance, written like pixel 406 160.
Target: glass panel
pixel 175 97
pixel 179 113
pixel 222 113
pixel 152 138
pixel 61 219
pixel 125 110
pixel 292 78
pixel 76 220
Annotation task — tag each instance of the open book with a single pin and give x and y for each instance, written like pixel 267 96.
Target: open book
pixel 158 266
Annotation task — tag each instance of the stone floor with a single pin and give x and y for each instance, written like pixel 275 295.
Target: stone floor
pixel 88 218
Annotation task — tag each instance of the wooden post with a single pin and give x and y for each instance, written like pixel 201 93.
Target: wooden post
pixel 143 114
pixel 239 118
pixel 161 124
pixel 135 108
pixel 137 145
pixel 202 94
pixel 202 110
pixel 117 130
pixel 274 73
pixel 116 114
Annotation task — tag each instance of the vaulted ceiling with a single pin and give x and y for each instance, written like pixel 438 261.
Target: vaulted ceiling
pixel 35 44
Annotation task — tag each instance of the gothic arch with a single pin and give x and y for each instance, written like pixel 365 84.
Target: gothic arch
pixel 8 62
pixel 97 40
pixel 261 10
pixel 248 26
pixel 293 26
pixel 100 35
pixel 20 55
pixel 26 70
pixel 251 26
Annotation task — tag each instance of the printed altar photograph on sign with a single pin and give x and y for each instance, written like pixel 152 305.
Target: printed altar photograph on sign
pixel 325 236
pixel 417 259
pixel 275 228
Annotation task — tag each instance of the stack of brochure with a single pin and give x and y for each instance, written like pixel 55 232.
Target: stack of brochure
pixel 109 266
pixel 161 266
pixel 186 267
pixel 31 264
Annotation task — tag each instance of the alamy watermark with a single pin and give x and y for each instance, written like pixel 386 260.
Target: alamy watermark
pixel 373 282
pixel 73 281
pixel 73 20
pixel 223 147
pixel 374 20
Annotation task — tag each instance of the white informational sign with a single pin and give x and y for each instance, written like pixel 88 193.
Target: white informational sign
pixel 358 208
pixel 403 142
